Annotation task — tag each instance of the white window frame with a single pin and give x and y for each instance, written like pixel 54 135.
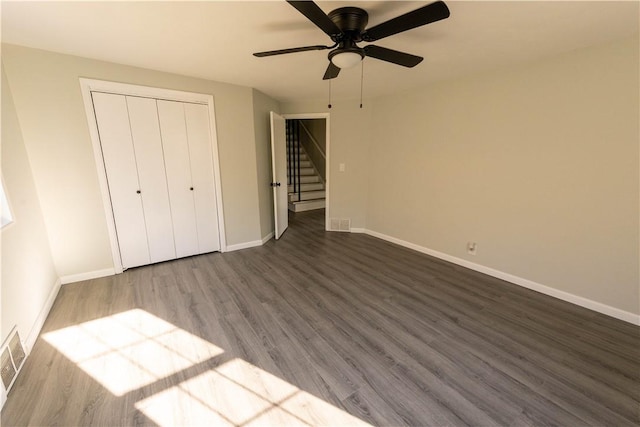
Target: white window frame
pixel 6 217
pixel 90 85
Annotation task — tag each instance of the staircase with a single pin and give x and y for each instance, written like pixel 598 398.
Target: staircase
pixel 311 194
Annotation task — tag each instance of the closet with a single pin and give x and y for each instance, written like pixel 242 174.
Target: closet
pixel 158 160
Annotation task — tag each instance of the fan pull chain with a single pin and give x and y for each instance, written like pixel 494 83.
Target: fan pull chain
pixel 329 93
pixel 361 80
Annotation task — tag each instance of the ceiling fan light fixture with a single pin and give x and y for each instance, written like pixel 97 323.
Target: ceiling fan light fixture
pixel 346 59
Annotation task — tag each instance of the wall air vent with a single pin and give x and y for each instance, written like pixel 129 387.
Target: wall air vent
pixel 340 224
pixel 345 225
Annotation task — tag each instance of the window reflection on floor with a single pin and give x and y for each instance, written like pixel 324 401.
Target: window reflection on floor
pixel 238 393
pixel 129 350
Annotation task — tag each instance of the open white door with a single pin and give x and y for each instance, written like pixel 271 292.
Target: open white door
pixel 279 168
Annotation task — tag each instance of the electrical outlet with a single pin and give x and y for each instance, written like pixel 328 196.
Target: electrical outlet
pixel 472 248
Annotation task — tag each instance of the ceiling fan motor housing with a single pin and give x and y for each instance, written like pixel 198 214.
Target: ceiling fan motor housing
pixel 352 21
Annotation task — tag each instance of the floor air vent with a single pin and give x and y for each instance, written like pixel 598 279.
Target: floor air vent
pixel 8 369
pixel 12 359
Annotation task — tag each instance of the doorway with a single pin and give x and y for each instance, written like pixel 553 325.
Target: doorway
pixel 308 163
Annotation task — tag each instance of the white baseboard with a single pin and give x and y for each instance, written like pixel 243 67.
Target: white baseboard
pixel 251 244
pixel 245 245
pixel 529 284
pixel 30 339
pixel 268 237
pixel 87 276
pixel 358 230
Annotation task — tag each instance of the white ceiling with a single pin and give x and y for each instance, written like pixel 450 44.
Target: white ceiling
pixel 215 39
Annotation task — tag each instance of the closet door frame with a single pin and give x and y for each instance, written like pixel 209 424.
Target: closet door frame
pixel 90 85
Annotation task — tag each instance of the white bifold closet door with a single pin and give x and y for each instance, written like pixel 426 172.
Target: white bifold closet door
pixel 178 164
pixel 145 129
pixel 122 174
pixel 158 160
pixel 202 177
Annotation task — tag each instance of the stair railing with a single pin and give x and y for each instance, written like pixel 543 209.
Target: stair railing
pixel 293 149
pixel 313 140
pixel 290 176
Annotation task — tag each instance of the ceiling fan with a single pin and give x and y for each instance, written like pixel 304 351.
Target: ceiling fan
pixel 346 27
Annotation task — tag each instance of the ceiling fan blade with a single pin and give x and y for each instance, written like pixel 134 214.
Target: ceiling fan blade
pixel 425 15
pixel 314 14
pixel 292 50
pixel 394 56
pixel 332 72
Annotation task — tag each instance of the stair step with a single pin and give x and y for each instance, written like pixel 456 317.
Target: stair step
pixel 303 156
pixel 307 205
pixel 303 164
pixel 307 171
pixel 307 195
pixel 302 159
pixel 308 187
pixel 308 179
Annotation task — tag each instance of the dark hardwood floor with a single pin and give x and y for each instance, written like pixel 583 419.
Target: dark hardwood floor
pixel 323 329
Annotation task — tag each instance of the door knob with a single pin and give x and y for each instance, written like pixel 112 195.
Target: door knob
pixel 138 191
pixel 275 184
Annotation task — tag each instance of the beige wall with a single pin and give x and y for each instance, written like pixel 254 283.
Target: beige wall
pixel 28 276
pixel 349 144
pixel 50 110
pixel 262 105
pixel 538 165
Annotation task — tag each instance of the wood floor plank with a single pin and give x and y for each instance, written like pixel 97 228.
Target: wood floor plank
pixel 323 328
pixel 414 364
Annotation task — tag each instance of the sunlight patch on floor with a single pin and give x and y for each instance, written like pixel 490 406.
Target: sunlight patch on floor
pixel 132 349
pixel 241 394
pixel 129 350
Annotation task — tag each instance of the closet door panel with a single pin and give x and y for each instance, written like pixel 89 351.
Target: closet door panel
pixel 201 157
pixel 145 130
pixel 120 163
pixel 178 171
